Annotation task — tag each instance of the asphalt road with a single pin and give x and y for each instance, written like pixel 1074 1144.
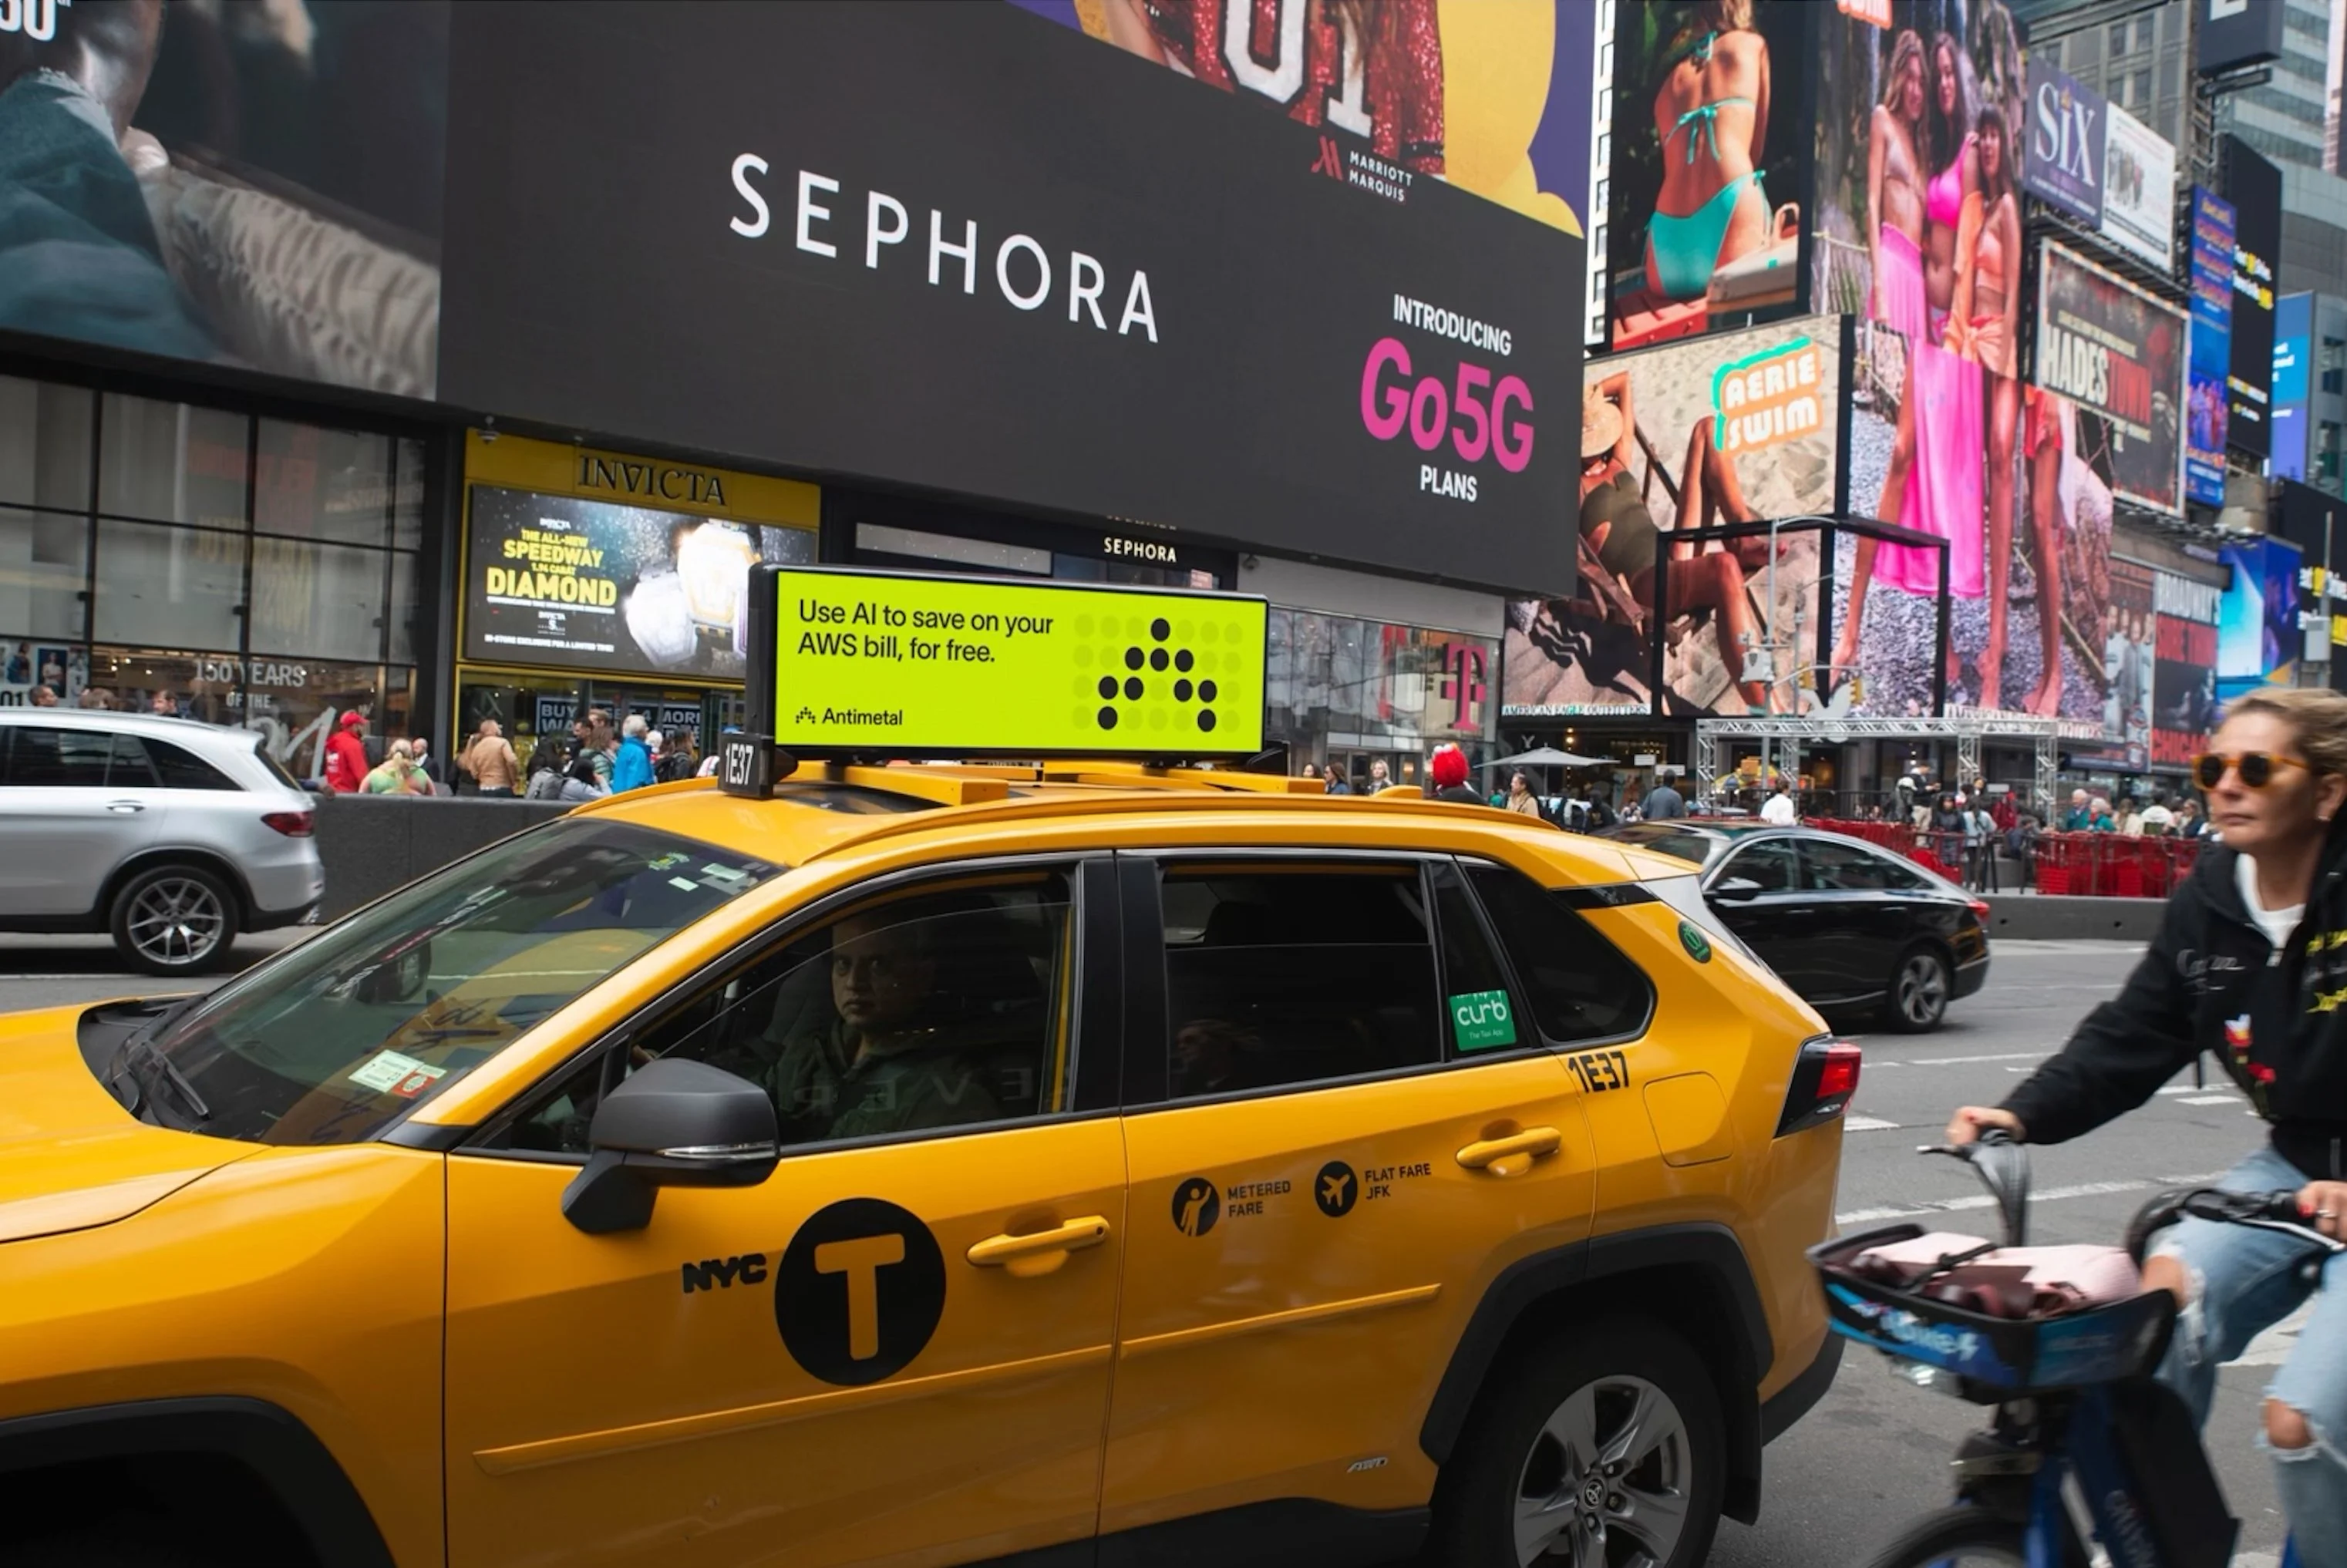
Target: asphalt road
pixel 1875 1452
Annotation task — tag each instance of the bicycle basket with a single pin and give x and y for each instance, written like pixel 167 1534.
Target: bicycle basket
pixel 1996 1358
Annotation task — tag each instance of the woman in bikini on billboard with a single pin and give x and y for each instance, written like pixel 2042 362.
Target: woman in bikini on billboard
pixel 1711 116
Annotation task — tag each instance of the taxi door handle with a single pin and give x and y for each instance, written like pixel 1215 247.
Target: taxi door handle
pixel 1041 1252
pixel 1501 1155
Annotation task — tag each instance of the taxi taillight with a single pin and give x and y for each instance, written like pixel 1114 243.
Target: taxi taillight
pixel 1825 1076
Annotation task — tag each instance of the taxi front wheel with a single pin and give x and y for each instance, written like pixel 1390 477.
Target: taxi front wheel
pixel 1601 1448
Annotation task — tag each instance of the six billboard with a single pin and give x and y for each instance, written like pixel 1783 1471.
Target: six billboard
pixel 1734 428
pixel 2254 188
pixel 1705 215
pixel 2211 358
pixel 2119 354
pixel 2067 122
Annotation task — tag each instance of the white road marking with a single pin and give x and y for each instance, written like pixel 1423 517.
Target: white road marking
pixel 1867 1125
pixel 2256 1560
pixel 1983 1200
pixel 1962 1060
pixel 2211 1099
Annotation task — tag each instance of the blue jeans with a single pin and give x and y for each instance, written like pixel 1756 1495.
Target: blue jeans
pixel 2244 1282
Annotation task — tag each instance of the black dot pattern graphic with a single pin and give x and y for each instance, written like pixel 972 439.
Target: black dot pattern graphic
pixel 1156 657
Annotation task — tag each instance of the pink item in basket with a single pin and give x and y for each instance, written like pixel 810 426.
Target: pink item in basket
pixel 2055 1278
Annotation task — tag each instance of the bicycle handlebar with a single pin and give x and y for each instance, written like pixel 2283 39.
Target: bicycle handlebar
pixel 2275 1211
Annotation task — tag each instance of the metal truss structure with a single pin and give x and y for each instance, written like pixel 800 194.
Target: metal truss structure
pixel 1967 730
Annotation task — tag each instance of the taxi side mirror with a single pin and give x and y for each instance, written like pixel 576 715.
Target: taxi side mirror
pixel 673 1123
pixel 1734 891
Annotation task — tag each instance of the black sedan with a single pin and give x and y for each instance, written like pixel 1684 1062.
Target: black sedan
pixel 1845 924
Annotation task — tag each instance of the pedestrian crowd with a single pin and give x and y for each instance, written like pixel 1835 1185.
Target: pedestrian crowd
pixel 597 761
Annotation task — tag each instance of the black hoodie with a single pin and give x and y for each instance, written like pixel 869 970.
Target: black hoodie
pixel 2277 1020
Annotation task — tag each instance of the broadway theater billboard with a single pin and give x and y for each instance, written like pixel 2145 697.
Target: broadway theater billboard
pixel 965 248
pixel 2118 354
pixel 2184 674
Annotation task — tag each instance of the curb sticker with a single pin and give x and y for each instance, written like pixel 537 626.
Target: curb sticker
pixel 390 1072
pixel 1481 1019
pixel 1197 1206
pixel 1336 1189
pixel 859 1291
pixel 1697 945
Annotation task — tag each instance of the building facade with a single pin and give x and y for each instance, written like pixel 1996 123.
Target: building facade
pixel 442 363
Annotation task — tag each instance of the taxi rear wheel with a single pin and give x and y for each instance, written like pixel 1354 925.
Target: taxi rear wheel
pixel 1602 1448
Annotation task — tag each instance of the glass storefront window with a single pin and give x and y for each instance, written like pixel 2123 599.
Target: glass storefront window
pixel 407 495
pixel 172 462
pixel 315 599
pixel 405 610
pixel 44 444
pixel 177 586
pixel 330 485
pixel 43 568
pixel 1337 685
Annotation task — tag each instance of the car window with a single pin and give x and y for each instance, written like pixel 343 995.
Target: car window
pixel 179 768
pixel 1483 1007
pixel 1770 866
pixel 330 1040
pixel 1837 867
pixel 1295 973
pixel 924 1011
pixel 1581 987
pixel 40 757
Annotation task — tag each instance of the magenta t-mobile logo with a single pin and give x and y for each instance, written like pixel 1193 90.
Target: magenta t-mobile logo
pixel 1464 683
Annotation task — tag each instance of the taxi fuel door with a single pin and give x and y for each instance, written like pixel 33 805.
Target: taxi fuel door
pixel 673 1123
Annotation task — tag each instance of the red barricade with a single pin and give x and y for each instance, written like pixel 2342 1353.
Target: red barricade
pixel 2095 865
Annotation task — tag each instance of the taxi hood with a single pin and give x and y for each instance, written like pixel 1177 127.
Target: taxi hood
pixel 70 1157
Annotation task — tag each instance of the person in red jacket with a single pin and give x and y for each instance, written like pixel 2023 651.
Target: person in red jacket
pixel 346 763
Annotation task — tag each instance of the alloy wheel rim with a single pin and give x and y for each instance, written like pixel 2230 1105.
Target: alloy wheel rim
pixel 1608 1482
pixel 176 921
pixel 1922 989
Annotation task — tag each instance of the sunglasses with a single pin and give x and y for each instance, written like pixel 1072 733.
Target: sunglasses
pixel 2256 768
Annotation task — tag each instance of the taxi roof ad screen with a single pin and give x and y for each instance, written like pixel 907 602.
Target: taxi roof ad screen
pixel 934 666
pixel 968 248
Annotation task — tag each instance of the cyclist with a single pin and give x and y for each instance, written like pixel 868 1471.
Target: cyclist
pixel 2250 963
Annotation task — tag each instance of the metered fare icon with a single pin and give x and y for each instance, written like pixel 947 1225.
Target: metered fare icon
pixel 1156 660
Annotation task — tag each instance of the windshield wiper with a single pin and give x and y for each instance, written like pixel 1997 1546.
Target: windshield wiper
pixel 140 1053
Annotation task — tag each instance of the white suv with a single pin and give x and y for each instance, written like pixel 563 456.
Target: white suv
pixel 171 835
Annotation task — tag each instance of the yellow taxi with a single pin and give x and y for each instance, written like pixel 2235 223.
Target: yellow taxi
pixel 1081 1163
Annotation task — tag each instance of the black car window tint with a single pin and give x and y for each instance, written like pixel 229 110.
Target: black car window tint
pixel 1833 867
pixel 1280 974
pixel 1581 986
pixel 128 766
pixel 43 758
pixel 181 769
pixel 1769 866
pixel 1483 1013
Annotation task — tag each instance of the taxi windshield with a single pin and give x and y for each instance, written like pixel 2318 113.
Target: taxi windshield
pixel 331 1042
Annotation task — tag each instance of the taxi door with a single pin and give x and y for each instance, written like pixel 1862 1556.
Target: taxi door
pixel 1341 1122
pixel 897 1348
